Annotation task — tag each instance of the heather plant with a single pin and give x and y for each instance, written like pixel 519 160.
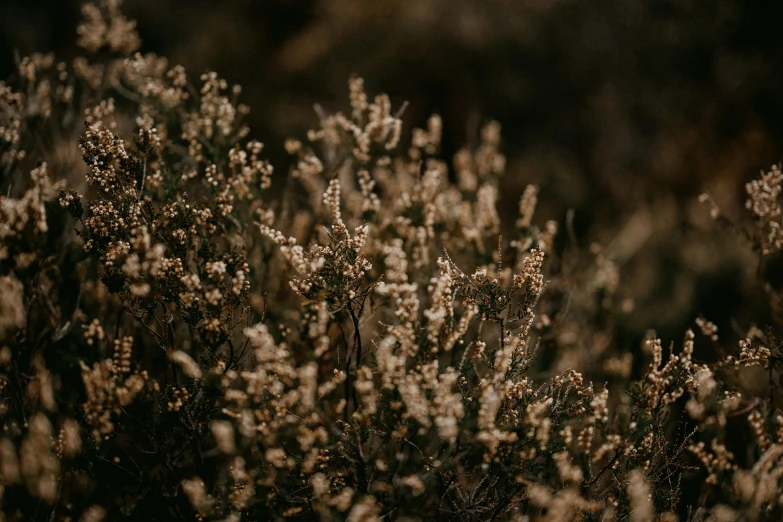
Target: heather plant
pixel 181 340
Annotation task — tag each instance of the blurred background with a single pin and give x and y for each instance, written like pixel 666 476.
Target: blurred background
pixel 623 111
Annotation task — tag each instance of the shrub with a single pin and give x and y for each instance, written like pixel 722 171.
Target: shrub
pixel 182 340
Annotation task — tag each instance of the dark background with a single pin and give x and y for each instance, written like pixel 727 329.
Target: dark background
pixel 621 110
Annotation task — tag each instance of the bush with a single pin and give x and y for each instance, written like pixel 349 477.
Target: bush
pixel 181 340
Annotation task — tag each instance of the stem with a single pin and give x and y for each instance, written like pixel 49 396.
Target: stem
pixel 143 179
pixel 347 383
pixel 230 363
pixel 600 473
pixel 357 336
pixel 357 339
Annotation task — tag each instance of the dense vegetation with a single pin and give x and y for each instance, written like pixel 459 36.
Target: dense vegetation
pixel 181 339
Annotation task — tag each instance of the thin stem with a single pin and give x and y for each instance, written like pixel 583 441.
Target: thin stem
pixel 357 339
pixel 143 179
